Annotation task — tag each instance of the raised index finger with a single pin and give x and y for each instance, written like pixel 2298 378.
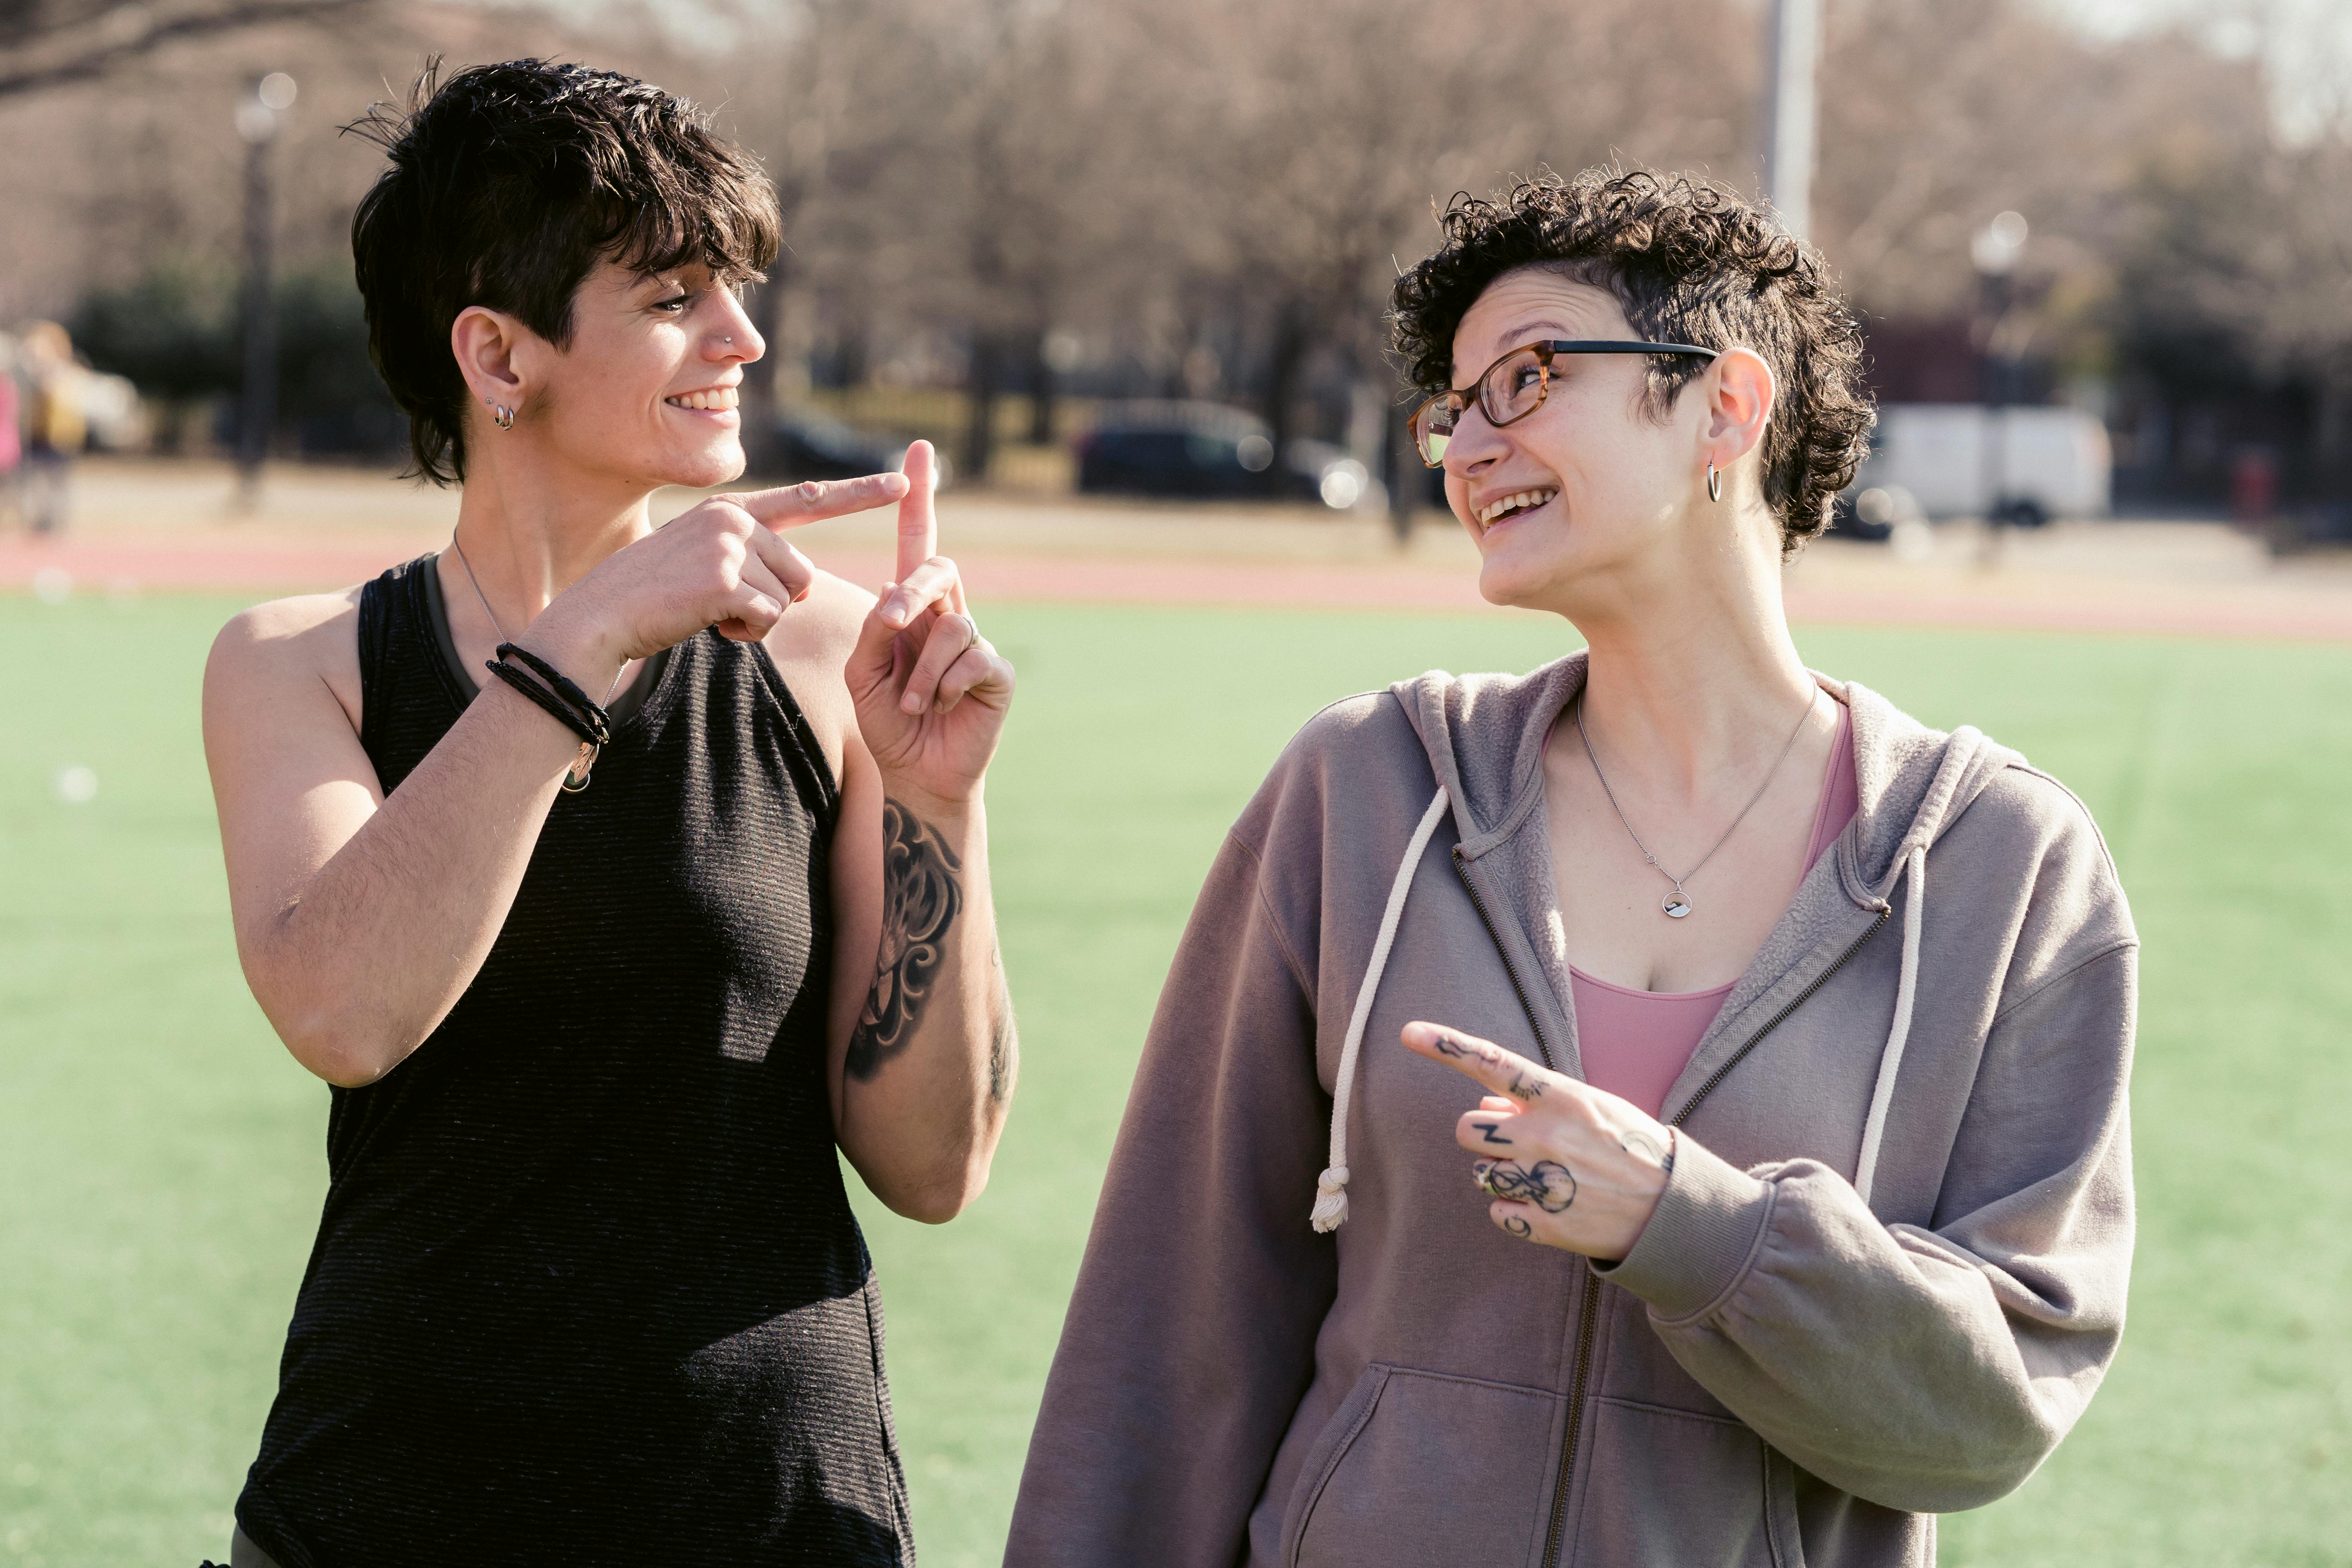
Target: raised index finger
pixel 789 506
pixel 1483 1061
pixel 919 521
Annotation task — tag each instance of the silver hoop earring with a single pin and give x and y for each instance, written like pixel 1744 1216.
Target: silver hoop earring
pixel 1714 484
pixel 502 416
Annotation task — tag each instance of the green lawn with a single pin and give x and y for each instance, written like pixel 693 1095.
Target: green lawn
pixel 160 1158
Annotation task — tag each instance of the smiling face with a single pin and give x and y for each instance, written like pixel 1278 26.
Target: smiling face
pixel 1590 489
pixel 646 391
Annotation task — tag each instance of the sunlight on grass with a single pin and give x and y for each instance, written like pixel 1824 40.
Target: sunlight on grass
pixel 163 1158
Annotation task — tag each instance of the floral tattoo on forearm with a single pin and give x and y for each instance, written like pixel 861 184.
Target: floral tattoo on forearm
pixel 921 897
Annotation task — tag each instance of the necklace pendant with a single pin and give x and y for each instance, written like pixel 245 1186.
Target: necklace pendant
pixel 1675 905
pixel 575 777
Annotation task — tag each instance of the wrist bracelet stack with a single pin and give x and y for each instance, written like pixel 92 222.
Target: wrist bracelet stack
pixel 563 701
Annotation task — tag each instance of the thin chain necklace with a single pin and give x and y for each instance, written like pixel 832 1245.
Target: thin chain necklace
pixel 576 779
pixel 1677 903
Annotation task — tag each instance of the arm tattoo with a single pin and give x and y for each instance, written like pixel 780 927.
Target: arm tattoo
pixel 1003 1042
pixel 920 899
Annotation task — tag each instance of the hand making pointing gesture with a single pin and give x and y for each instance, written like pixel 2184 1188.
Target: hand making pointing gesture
pixel 931 693
pixel 1566 1164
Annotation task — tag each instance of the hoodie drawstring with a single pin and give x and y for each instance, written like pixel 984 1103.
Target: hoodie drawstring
pixel 1331 1187
pixel 1890 1060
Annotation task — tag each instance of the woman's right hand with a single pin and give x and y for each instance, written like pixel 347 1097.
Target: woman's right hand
pixel 720 563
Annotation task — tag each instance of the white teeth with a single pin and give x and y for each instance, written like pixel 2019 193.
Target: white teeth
pixel 715 398
pixel 1510 503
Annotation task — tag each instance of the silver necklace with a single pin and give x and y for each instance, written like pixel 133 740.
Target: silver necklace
pixel 1677 903
pixel 575 778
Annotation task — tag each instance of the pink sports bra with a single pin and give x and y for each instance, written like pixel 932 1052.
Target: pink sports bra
pixel 1635 1043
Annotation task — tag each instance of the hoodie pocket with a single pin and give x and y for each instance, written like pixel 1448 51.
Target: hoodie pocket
pixel 1673 1489
pixel 1417 1468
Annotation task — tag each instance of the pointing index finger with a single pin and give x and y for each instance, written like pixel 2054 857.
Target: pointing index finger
pixel 1482 1061
pixel 919 521
pixel 789 506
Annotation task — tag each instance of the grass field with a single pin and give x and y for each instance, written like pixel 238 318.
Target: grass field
pixel 160 1158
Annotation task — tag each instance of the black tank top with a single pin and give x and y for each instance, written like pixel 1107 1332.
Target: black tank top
pixel 587 1288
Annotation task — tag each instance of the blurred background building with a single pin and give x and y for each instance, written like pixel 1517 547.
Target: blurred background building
pixel 1003 213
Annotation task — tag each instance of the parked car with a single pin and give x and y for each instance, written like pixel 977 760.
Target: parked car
pixel 2023 466
pixel 805 445
pixel 1167 447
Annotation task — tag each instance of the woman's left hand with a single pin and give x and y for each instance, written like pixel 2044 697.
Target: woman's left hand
pixel 931 693
pixel 1567 1164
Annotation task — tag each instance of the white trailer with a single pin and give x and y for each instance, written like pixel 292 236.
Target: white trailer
pixel 1959 459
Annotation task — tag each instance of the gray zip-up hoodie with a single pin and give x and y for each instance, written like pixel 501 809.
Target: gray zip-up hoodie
pixel 1781 1372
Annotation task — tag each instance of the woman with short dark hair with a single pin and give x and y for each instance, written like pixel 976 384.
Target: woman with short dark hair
pixel 1792 1204
pixel 618 880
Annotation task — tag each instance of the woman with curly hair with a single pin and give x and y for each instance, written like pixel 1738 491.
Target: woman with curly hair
pixel 1788 1202
pixel 620 880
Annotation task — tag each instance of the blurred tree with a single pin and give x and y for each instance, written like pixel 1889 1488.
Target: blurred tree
pixel 172 333
pixel 47 43
pixel 330 399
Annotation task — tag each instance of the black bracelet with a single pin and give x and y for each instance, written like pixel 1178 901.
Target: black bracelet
pixel 545 699
pixel 597 719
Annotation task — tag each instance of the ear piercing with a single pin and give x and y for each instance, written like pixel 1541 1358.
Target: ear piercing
pixel 502 416
pixel 1714 484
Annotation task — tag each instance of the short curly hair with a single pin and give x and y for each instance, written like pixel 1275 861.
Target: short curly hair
pixel 1689 262
pixel 508 183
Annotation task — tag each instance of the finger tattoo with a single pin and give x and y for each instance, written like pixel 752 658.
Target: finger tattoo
pixel 921 895
pixel 1493 1132
pixel 1518 1225
pixel 1547 1183
pixel 1640 1143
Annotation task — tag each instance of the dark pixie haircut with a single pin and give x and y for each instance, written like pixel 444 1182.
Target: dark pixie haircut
pixel 508 185
pixel 1689 263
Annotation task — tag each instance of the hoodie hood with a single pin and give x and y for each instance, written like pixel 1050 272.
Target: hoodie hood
pixel 1484 736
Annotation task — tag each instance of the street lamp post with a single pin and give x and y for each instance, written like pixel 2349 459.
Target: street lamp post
pixel 257 123
pixel 1793 50
pixel 1995 250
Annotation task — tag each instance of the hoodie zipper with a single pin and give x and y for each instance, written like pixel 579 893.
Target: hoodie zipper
pixel 1797 1001
pixel 1588 1312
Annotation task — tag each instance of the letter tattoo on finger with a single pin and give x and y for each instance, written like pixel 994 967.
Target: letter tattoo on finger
pixel 1548 1185
pixel 1493 1132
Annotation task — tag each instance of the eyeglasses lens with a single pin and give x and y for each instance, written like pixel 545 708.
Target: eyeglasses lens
pixel 1432 427
pixel 1513 389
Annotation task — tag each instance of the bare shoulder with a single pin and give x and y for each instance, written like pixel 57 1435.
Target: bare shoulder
pixel 810 646
pixel 286 643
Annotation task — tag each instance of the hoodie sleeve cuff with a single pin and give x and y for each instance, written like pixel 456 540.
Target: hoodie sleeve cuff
pixel 1701 1238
